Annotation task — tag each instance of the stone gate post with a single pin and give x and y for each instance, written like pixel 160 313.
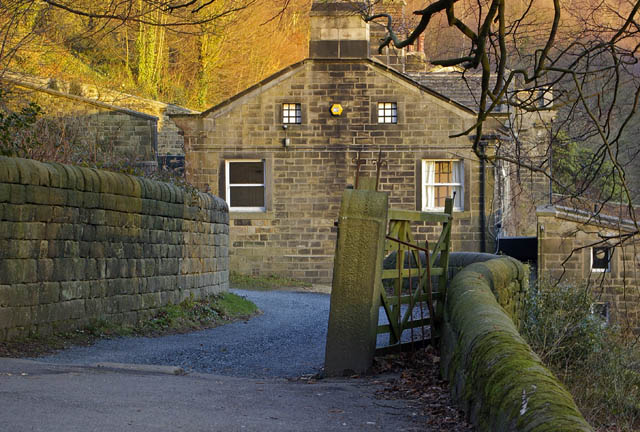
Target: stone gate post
pixel 357 271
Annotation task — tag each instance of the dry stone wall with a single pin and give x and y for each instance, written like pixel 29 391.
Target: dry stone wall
pixel 89 124
pixel 61 98
pixel 79 245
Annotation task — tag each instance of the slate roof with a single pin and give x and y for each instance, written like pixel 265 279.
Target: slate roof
pixel 462 88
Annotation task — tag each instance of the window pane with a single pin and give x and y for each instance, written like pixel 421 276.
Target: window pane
pixel 457 202
pixel 441 194
pixel 600 258
pixel 441 179
pixel 443 172
pixel 387 112
pixel 246 173
pixel 291 113
pixel 246 196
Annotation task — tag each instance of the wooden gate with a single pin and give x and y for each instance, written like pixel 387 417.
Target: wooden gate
pixel 406 289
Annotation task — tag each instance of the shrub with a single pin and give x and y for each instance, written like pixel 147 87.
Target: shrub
pixel 599 364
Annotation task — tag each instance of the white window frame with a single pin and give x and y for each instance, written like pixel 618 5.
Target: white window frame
pixel 382 111
pixel 426 184
pixel 228 185
pixel 610 257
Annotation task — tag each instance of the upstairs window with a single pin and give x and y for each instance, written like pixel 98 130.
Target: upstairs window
pixel 245 189
pixel 387 112
pixel 440 179
pixel 601 259
pixel 291 113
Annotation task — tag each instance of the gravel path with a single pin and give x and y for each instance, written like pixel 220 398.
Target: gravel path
pixel 287 340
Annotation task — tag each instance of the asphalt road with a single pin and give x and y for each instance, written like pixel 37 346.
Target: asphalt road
pixel 286 340
pixel 45 397
pixel 234 381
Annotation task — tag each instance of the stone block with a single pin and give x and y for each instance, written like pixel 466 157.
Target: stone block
pixel 17 194
pixel 94 308
pixel 108 201
pixel 112 268
pixel 71 174
pixel 150 300
pixel 99 289
pixel 49 292
pixel 67 269
pixel 73 290
pixel 32 172
pixel 91 180
pixel 45 269
pixel 74 198
pixel 5 192
pixel 12 317
pixel 9 172
pixel 15 271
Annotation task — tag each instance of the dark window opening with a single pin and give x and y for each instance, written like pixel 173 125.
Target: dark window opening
pixel 601 259
pixel 245 185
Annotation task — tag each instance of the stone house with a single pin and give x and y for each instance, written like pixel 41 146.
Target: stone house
pixel 281 152
pixel 599 251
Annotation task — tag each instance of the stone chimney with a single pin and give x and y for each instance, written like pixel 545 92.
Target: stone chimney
pixel 338 31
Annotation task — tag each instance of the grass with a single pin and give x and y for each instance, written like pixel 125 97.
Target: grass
pixel 264 283
pixel 187 316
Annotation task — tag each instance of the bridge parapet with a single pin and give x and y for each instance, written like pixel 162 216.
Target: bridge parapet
pixel 495 376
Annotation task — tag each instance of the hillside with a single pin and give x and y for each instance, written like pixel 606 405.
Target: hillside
pixel 194 67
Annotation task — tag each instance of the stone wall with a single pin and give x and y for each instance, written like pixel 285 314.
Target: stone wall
pixel 89 124
pixel 494 375
pixel 79 245
pixel 296 235
pixel 170 142
pixel 565 241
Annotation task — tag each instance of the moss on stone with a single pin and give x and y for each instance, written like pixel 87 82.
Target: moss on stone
pixel 495 375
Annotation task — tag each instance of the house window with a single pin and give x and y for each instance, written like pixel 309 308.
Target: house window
pixel 544 98
pixel 601 259
pixel 244 180
pixel 291 113
pixel 387 112
pixel 440 179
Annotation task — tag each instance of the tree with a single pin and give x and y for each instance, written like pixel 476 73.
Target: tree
pixel 577 58
pixel 183 52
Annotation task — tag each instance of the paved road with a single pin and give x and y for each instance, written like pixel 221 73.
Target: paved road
pixel 287 340
pixel 242 387
pixel 45 397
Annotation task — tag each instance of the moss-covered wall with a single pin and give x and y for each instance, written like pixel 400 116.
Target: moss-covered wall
pixel 495 376
pixel 79 245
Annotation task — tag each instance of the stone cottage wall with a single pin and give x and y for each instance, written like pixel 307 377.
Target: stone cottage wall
pixel 79 245
pixel 296 235
pixel 564 254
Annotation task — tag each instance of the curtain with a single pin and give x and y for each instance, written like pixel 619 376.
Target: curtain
pixel 429 177
pixel 458 177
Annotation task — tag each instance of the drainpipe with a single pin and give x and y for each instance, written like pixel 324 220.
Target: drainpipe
pixel 483 184
pixel 551 164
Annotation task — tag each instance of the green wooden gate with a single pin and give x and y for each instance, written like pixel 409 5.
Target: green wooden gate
pixel 402 288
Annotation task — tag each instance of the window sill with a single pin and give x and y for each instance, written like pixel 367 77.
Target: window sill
pixel 250 215
pixel 461 214
pixel 456 213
